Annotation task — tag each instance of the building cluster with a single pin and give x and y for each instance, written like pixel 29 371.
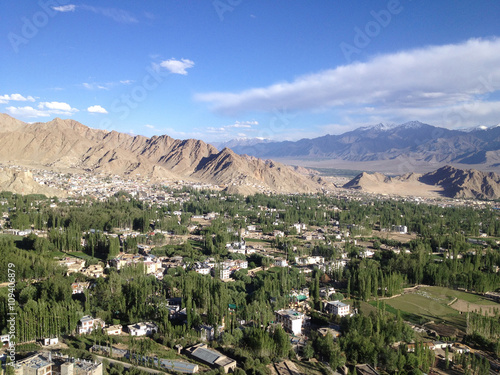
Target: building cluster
pixel 48 364
pixel 74 265
pixel 152 264
pixel 88 324
pixel 223 269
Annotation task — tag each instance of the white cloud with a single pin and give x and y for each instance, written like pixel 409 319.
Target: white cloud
pixel 434 78
pixel 26 112
pixel 57 107
pixel 65 8
pixel 105 85
pixel 118 15
pixel 149 126
pixel 177 66
pixel 43 109
pixel 243 124
pixel 96 109
pixel 15 97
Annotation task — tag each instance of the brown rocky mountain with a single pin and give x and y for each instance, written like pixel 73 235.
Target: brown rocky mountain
pixel 68 145
pixel 22 182
pixel 446 181
pixel 465 183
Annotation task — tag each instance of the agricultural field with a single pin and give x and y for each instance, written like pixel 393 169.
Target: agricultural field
pixel 440 305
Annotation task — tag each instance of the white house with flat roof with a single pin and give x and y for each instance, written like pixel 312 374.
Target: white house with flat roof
pixel 142 329
pixel 87 324
pixel 291 320
pixel 337 308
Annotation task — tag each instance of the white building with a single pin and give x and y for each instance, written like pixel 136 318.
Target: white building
pixel 400 228
pixel 114 330
pixel 202 268
pixel 50 341
pixel 337 308
pixel 306 261
pixel 299 227
pixel 292 320
pixel 142 329
pixel 87 324
pixel 280 262
pixel 326 292
pixel 225 273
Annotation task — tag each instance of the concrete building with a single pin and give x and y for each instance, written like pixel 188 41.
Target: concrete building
pixel 280 262
pixel 79 288
pixel 212 357
pixel 50 341
pixel 87 324
pixel 291 320
pixel 142 329
pixel 326 292
pixel 114 330
pixel 337 308
pixel 400 228
pixel 37 364
pixel 46 364
pixel 94 270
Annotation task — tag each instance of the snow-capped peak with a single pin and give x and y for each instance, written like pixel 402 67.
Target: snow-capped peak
pixel 412 125
pixel 480 127
pixel 380 126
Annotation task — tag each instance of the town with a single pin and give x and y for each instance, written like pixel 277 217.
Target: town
pixel 126 277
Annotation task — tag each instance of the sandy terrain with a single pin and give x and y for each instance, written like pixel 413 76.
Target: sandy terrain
pixel 406 188
pixel 464 306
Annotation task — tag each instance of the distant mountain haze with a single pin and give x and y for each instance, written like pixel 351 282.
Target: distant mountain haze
pixel 414 141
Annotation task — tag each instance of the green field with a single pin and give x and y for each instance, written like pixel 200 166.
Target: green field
pixel 12 236
pixel 430 309
pixel 446 295
pixel 433 304
pixel 58 254
pixel 81 255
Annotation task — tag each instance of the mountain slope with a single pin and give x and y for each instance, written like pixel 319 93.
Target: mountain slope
pixel 460 183
pixel 446 181
pixel 67 144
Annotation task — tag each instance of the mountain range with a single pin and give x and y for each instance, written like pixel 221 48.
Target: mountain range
pixel 445 181
pixel 69 145
pixel 412 141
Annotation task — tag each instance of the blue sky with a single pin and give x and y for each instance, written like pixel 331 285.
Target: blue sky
pixel 222 69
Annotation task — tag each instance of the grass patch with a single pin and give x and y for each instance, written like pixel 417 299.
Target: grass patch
pixel 12 236
pixel 58 254
pixel 447 295
pixel 82 255
pixel 196 244
pixel 368 307
pixel 420 308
